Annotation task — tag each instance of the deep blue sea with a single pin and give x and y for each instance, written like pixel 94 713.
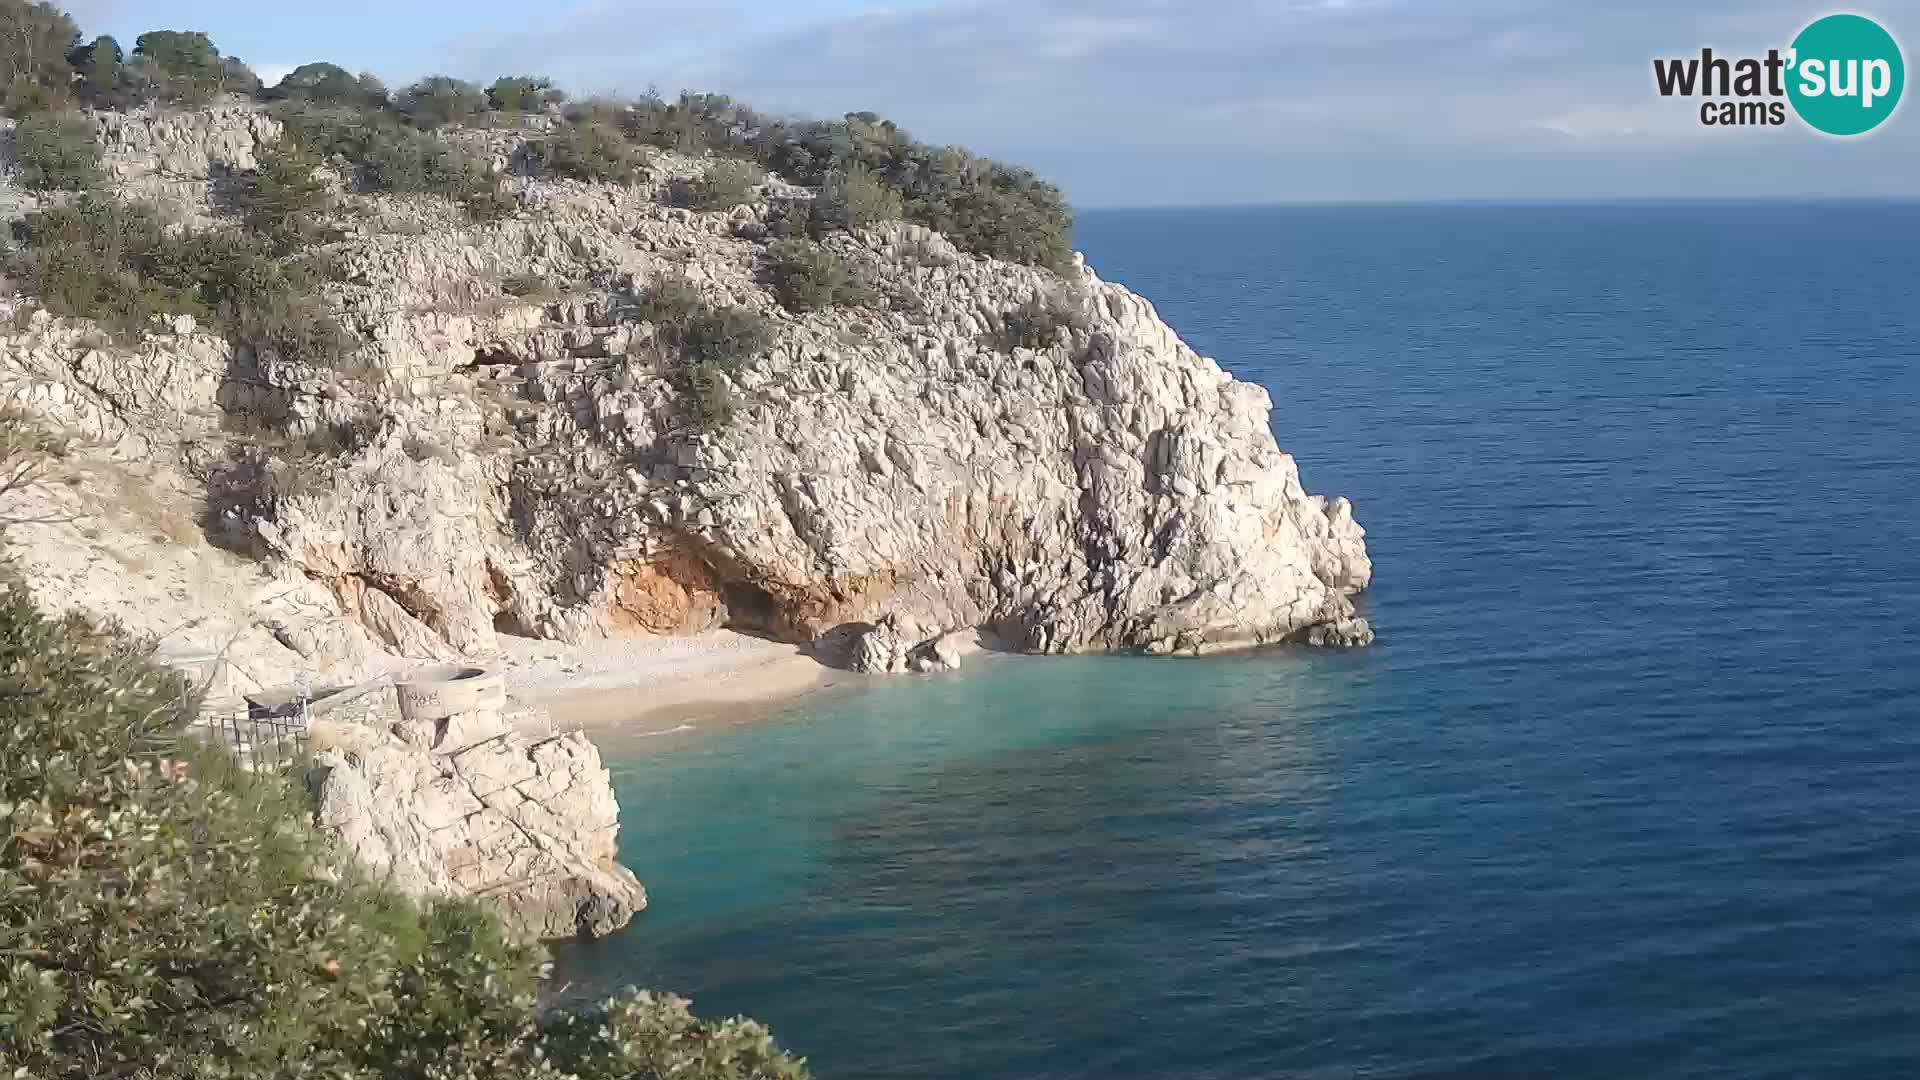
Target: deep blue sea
pixel 1630 786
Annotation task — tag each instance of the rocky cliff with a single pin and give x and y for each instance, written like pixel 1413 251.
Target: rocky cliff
pixel 526 464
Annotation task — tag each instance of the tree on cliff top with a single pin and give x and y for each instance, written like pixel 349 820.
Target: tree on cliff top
pixel 178 66
pixel 164 915
pixel 330 85
pixel 523 94
pixel 101 68
pixel 439 100
pixel 34 42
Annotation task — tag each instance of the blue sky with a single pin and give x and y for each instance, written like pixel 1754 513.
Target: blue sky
pixel 1159 102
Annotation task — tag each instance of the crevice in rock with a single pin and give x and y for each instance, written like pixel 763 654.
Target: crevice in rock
pixel 495 355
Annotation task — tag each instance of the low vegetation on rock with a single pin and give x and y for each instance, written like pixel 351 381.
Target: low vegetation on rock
pixel 708 343
pixel 590 150
pixel 867 168
pixel 1044 320
pixel 119 264
pixel 56 151
pixel 807 277
pixel 726 184
pixel 854 198
pixel 285 199
pixel 385 154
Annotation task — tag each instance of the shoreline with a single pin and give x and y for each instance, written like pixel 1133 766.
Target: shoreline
pixel 628 691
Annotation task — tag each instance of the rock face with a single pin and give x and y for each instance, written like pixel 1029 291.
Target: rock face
pixel 1113 490
pixel 1116 491
pixel 889 474
pixel 526 825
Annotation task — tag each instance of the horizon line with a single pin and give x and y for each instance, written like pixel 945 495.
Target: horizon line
pixel 1505 200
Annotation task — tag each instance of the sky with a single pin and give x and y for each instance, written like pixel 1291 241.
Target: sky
pixel 1159 102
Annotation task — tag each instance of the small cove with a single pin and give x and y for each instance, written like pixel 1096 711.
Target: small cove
pixel 1625 789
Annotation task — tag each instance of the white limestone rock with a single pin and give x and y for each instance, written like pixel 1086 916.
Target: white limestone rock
pixel 525 825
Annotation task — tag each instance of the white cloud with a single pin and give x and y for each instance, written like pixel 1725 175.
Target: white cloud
pixel 1138 101
pixel 1077 36
pixel 1658 120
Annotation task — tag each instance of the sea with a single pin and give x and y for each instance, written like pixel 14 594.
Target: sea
pixel 1628 788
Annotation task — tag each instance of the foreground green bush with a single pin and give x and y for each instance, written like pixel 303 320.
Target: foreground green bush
pixel 56 151
pixel 165 916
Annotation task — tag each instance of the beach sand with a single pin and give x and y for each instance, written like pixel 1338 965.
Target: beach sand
pixel 650 687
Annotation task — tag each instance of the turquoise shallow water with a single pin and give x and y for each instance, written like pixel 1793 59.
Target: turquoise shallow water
pixel 1630 787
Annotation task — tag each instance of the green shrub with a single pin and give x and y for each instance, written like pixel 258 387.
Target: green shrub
pixel 35 41
pixel 97 260
pixel 330 86
pixel 789 219
pixel 239 79
pixel 710 343
pixel 984 206
pixel 696 124
pixel 701 331
pixel 57 151
pixel 24 98
pixel 416 163
pixel 1044 320
pixel 523 94
pixel 440 100
pixel 643 1034
pixel 102 76
pixel 178 67
pixel 390 157
pixel 118 264
pixel 284 197
pixel 29 453
pixel 726 184
pixel 808 277
pixel 165 915
pixel 854 199
pixel 1011 215
pixel 589 150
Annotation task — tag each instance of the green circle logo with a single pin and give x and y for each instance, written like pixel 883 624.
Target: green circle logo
pixel 1846 75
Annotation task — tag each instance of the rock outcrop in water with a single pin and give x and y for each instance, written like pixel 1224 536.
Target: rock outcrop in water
pixel 458 802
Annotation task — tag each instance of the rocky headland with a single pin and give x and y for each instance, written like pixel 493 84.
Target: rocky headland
pixel 515 447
